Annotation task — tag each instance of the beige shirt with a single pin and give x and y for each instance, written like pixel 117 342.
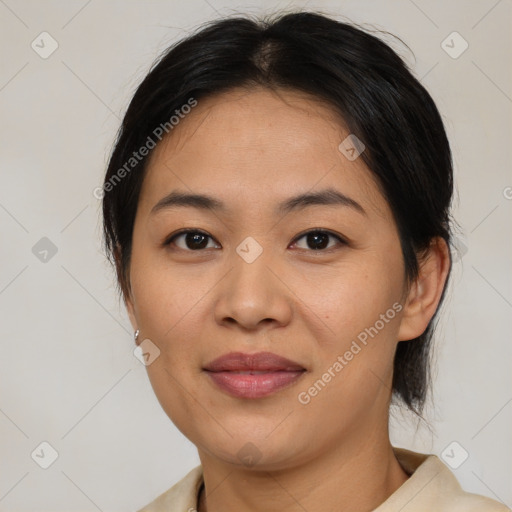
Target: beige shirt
pixel 431 487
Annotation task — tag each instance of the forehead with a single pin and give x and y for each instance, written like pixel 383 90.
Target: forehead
pixel 258 145
pixel 260 120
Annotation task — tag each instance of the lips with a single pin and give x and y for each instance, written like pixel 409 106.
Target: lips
pixel 259 362
pixel 253 375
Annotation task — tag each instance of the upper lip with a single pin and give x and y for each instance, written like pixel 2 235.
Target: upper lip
pixel 261 361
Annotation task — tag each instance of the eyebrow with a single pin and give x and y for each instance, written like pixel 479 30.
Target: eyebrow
pixel 326 197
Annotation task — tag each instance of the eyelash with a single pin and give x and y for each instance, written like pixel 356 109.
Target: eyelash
pixel 339 238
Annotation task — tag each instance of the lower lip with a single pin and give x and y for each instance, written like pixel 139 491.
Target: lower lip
pixel 254 385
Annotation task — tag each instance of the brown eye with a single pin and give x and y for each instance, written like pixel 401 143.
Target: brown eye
pixel 190 240
pixel 318 240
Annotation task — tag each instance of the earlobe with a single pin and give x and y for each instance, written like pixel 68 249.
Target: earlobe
pixel 425 293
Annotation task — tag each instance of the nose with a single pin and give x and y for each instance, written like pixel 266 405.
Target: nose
pixel 252 295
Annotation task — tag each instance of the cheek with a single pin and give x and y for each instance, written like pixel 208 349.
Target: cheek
pixel 167 297
pixel 360 307
pixel 168 308
pixel 354 295
pixel 354 359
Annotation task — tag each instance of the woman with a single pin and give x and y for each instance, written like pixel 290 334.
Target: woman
pixel 277 208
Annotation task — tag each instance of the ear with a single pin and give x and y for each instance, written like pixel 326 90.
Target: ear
pixel 125 289
pixel 426 291
pixel 131 312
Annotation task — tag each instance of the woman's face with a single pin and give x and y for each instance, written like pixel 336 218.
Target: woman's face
pixel 250 279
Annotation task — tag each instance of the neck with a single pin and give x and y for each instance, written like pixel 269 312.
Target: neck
pixel 355 477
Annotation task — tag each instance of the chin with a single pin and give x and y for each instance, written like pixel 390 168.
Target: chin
pixel 255 451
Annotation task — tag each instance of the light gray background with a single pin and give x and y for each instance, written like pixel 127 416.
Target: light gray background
pixel 68 375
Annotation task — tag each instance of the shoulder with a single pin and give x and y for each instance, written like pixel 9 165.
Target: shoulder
pixel 181 496
pixel 432 486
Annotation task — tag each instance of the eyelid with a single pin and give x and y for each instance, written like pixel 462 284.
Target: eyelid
pixel 341 239
pixel 181 232
pixel 322 231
